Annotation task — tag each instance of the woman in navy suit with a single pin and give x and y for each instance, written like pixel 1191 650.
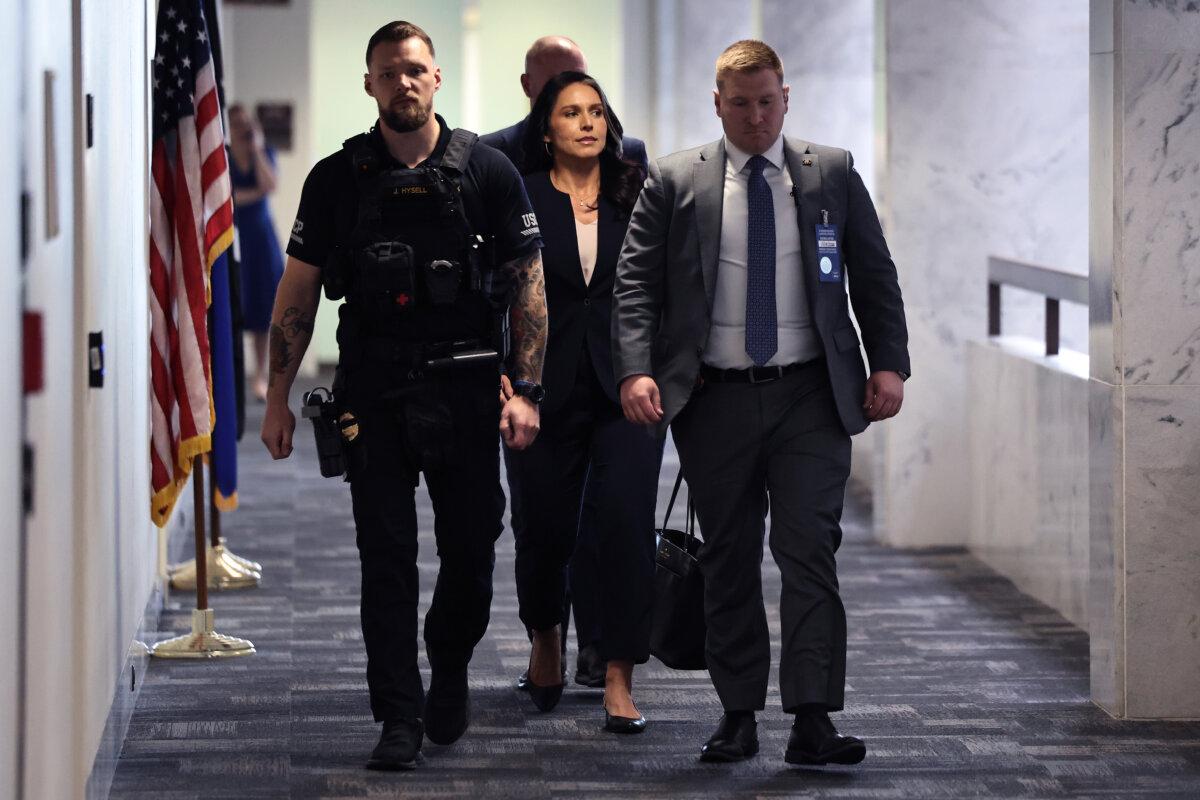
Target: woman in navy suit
pixel 583 191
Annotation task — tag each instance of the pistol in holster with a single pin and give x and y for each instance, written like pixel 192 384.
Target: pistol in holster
pixel 334 430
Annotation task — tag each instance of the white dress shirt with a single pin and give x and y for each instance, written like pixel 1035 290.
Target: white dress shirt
pixel 798 340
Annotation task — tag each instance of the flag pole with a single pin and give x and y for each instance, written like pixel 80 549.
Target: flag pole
pixel 203 641
pixel 226 569
pixel 223 569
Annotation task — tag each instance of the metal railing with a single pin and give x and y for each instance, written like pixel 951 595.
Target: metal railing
pixel 1055 284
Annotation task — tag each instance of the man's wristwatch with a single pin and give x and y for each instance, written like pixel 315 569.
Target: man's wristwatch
pixel 903 375
pixel 533 392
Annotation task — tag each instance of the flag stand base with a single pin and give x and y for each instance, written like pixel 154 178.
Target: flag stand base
pixel 225 571
pixel 202 642
pixel 246 564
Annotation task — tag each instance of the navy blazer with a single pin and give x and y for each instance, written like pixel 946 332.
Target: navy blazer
pixel 508 141
pixel 580 313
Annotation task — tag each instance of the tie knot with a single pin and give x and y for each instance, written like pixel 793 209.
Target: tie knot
pixel 757 164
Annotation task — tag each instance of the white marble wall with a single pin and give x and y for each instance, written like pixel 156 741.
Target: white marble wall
pixel 689 35
pixel 1145 377
pixel 1028 449
pixel 828 53
pixel 986 154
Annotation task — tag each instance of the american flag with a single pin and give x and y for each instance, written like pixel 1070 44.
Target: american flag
pixel 191 225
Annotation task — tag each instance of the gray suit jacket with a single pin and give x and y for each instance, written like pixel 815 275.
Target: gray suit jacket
pixel 666 274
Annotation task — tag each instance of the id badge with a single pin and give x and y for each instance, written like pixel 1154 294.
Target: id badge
pixel 829 258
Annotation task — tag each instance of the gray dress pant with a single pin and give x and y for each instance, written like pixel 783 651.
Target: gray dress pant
pixel 746 448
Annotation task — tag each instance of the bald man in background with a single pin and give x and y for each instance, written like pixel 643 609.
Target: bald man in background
pixel 547 57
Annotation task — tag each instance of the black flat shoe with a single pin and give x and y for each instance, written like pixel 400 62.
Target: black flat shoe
pixel 589 668
pixel 735 739
pixel 399 746
pixel 447 707
pixel 814 741
pixel 614 724
pixel 545 697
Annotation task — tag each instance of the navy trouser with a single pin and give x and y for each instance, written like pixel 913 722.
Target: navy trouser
pixel 587 448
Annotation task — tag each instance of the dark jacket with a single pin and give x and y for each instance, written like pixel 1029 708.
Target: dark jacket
pixel 666 276
pixel 508 141
pixel 580 314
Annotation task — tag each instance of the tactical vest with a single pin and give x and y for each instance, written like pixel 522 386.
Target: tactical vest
pixel 413 272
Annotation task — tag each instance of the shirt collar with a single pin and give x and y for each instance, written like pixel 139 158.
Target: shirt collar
pixel 737 157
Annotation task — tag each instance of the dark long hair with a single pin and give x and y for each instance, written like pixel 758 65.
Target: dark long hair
pixel 620 180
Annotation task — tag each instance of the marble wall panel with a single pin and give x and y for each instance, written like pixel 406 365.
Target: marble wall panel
pixel 987 155
pixel 1145 409
pixel 828 54
pixel 1106 499
pixel 1158 24
pixel 1028 447
pixel 1162 551
pixel 692 33
pixel 1160 201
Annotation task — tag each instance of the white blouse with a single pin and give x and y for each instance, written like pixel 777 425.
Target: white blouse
pixel 585 233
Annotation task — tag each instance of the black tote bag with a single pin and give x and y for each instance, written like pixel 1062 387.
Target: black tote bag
pixel 678 630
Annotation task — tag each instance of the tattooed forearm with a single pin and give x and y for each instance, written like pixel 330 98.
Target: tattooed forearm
pixel 288 340
pixel 530 321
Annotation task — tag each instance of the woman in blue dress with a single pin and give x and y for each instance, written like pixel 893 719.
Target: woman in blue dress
pixel 252 173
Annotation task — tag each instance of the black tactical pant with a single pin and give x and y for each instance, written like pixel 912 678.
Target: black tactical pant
pixel 463 481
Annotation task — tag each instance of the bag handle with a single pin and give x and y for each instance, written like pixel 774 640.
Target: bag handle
pixel 674 494
pixel 689 527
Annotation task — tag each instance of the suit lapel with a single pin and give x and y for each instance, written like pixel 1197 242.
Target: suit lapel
pixel 563 244
pixel 805 169
pixel 607 244
pixel 708 185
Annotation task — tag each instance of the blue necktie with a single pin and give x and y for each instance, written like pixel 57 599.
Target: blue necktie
pixel 762 330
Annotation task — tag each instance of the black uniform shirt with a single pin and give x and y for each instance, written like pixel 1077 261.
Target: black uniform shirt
pixel 493 195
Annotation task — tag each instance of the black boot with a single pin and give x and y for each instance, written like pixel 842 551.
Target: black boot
pixel 814 740
pixel 399 746
pixel 447 706
pixel 735 739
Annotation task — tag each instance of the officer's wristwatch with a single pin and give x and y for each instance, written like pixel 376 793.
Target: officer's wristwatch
pixel 533 392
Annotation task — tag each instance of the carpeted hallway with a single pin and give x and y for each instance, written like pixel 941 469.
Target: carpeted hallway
pixel 961 686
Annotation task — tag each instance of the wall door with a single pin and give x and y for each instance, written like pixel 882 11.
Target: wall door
pixel 11 435
pixel 49 281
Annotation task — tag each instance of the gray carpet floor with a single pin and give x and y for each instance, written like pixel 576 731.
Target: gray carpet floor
pixel 961 686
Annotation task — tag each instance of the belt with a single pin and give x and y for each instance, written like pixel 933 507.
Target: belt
pixel 752 374
pixel 379 349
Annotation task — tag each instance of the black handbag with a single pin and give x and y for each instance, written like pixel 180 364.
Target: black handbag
pixel 678 631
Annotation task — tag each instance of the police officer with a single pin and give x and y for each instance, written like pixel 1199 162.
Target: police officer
pixel 430 239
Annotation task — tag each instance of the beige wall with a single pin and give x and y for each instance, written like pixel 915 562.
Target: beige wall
pixel 505 32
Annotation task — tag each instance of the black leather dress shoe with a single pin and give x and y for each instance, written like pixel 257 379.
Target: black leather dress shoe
pixel 735 739
pixel 589 668
pixel 814 740
pixel 399 746
pixel 614 724
pixel 447 706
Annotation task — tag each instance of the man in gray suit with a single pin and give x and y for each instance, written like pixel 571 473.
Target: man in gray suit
pixel 731 324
